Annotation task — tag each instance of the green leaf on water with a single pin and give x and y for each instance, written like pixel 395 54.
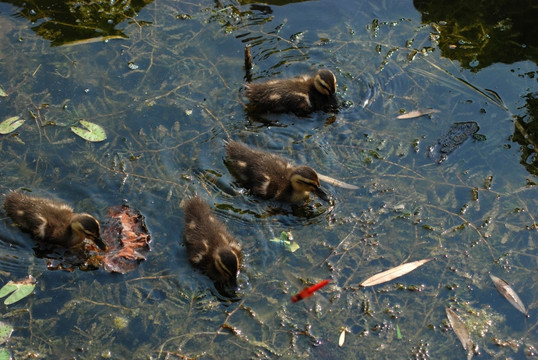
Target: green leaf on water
pixel 17 289
pixel 398 333
pixel 286 240
pixel 11 124
pixel 2 92
pixel 5 332
pixel 5 355
pixel 93 132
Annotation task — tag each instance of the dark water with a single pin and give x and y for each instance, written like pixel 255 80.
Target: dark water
pixel 167 86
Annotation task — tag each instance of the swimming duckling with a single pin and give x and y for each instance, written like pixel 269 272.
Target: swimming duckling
pixel 300 95
pixel 52 222
pixel 209 245
pixel 269 176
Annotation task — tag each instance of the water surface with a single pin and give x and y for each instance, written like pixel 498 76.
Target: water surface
pixel 165 80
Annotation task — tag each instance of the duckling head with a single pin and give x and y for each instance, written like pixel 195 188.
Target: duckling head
pixel 304 180
pixel 325 82
pixel 88 227
pixel 225 267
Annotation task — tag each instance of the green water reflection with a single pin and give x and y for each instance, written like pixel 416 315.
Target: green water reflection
pixel 168 91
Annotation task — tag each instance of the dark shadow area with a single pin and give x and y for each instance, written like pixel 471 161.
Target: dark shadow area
pixel 526 133
pixel 256 3
pixel 73 22
pixel 481 33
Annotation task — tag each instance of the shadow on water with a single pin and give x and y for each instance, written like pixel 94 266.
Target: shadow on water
pixel 75 22
pixel 479 34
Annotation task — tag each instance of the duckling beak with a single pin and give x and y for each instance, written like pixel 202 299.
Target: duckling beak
pixel 100 243
pixel 334 102
pixel 322 194
pixel 228 288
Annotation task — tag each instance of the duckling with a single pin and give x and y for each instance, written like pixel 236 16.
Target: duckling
pixel 52 222
pixel 269 176
pixel 300 95
pixel 209 245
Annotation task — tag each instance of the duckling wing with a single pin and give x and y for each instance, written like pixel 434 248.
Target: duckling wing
pixel 203 232
pixel 287 95
pixel 270 177
pixel 43 218
pixel 264 174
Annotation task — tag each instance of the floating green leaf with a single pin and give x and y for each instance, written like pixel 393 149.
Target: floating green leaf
pixel 286 240
pixel 94 132
pixel 5 332
pixel 5 355
pixel 17 289
pixel 11 124
pixel 2 92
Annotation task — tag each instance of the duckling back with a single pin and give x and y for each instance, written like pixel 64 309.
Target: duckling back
pixel 51 221
pixel 266 175
pixel 44 219
pixel 209 245
pixel 269 176
pixel 300 95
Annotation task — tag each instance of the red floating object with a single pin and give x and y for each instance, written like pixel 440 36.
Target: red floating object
pixel 309 291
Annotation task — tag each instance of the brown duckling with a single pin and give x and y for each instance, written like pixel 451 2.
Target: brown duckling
pixel 269 176
pixel 300 95
pixel 209 245
pixel 52 222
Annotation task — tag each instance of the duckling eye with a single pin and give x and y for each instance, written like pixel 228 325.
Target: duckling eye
pixel 89 234
pixel 326 87
pixel 221 268
pixel 307 183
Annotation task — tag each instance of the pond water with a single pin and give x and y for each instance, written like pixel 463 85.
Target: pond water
pixel 165 80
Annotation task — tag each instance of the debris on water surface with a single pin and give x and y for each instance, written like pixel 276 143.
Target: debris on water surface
pixel 458 133
pixel 508 293
pixel 17 290
pixel 127 238
pixel 11 124
pixel 416 113
pixel 309 291
pixel 91 132
pixel 461 331
pixel 393 273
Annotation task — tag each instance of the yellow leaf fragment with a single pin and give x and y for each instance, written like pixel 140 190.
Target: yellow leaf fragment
pixel 336 182
pixel 417 113
pixel 393 273
pixel 342 338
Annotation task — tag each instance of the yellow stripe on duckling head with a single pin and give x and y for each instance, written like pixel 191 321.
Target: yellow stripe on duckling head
pixel 325 82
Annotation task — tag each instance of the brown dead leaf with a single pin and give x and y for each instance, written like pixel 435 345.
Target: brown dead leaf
pixel 461 331
pixel 127 238
pixel 509 293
